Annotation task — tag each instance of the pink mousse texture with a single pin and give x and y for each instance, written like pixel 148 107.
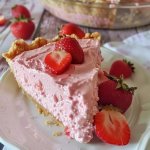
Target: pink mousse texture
pixel 72 96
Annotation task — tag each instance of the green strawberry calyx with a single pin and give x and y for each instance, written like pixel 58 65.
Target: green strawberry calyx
pixel 21 19
pixel 130 64
pixel 121 84
pixel 14 6
pixel 59 30
pixel 61 37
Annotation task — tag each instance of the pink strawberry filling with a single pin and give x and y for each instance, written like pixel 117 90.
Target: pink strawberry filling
pixel 72 96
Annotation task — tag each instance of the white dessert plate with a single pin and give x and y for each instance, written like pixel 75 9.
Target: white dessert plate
pixel 21 127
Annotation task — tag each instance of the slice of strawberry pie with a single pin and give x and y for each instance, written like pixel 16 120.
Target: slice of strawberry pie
pixel 68 96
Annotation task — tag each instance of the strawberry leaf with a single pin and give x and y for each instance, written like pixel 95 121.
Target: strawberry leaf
pixel 118 86
pixel 14 6
pixel 58 29
pixel 61 37
pixel 21 19
pixel 132 89
pixel 130 64
pixel 13 20
pixel 111 77
pixel 124 86
pixel 62 25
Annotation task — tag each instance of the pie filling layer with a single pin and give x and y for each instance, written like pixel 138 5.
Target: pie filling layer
pixel 72 96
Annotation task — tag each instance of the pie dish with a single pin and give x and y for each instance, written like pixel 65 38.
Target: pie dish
pixel 111 14
pixel 70 99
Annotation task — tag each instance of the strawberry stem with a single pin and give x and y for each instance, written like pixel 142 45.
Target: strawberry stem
pixel 62 36
pixel 21 19
pixel 58 29
pixel 130 64
pixel 124 86
pixel 111 77
pixel 121 84
pixel 14 6
pixel 62 25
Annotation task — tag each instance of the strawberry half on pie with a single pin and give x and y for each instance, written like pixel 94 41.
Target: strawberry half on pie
pixel 62 80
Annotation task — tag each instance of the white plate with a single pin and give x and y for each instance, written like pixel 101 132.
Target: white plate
pixel 18 130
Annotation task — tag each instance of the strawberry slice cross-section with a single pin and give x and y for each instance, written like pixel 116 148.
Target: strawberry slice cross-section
pixel 58 61
pixel 2 20
pixel 111 126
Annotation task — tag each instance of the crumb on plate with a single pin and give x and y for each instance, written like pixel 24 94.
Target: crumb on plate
pixel 56 133
pixel 47 122
pixel 39 110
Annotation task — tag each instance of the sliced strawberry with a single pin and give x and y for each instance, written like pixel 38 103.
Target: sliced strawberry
pixel 2 20
pixel 58 61
pixel 120 67
pixel 72 46
pixel 111 126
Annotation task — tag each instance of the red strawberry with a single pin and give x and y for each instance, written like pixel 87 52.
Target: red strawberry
pixel 71 28
pixel 58 61
pixel 116 93
pixel 111 126
pixel 72 46
pixel 120 67
pixel 20 10
pixel 22 28
pixel 2 20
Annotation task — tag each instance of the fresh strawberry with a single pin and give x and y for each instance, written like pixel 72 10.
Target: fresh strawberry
pixel 72 46
pixel 111 126
pixel 22 27
pixel 71 28
pixel 20 10
pixel 120 67
pixel 2 20
pixel 117 93
pixel 58 61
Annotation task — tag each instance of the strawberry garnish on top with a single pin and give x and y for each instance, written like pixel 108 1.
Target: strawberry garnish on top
pixel 20 10
pixel 58 61
pixel 111 126
pixel 22 27
pixel 120 67
pixel 116 92
pixel 69 29
pixel 72 46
